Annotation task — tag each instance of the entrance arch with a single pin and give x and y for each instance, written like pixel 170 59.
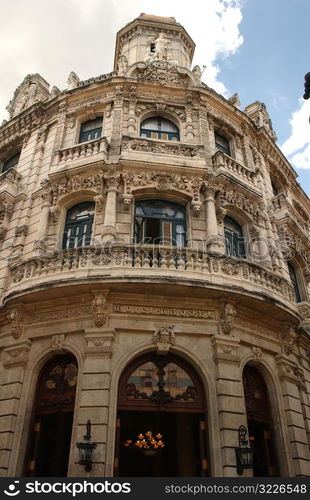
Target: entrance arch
pixel 260 424
pixel 162 395
pixel 51 425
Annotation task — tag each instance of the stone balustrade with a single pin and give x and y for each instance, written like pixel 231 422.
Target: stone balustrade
pixel 132 144
pixel 147 261
pixel 226 163
pixel 82 150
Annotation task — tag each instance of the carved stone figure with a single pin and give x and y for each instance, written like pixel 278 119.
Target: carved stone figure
pixel 161 47
pixel 122 65
pixel 197 74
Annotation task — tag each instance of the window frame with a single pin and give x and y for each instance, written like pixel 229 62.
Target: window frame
pixel 236 238
pixel 162 225
pixel 171 136
pixel 219 147
pixel 97 131
pixel 5 168
pixel 295 281
pixel 89 220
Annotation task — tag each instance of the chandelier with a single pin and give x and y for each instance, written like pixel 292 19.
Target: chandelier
pixel 148 443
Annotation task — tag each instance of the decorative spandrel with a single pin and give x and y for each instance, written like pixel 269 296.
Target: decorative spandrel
pixel 160 381
pixel 58 385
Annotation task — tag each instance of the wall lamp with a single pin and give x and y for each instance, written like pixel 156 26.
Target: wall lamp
pixel 244 453
pixel 86 449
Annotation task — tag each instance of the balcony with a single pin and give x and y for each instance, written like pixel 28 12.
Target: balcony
pixel 151 149
pixel 148 263
pixel 10 184
pixel 223 163
pixel 283 209
pixel 82 154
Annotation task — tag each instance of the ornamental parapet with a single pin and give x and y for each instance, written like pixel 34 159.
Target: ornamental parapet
pixel 85 152
pixel 224 163
pixel 148 262
pixel 132 145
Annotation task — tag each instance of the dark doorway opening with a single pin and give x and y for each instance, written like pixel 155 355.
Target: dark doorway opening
pixel 50 436
pixel 180 456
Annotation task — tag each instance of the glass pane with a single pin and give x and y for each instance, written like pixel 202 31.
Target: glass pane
pixel 11 162
pixel 144 381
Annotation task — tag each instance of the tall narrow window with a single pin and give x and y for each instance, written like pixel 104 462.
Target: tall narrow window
pixel 294 281
pixel 79 224
pixel 234 238
pixel 11 162
pixel 159 128
pixel 90 130
pixel 222 143
pixel 160 222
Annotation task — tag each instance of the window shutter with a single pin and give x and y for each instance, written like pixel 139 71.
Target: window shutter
pixel 166 233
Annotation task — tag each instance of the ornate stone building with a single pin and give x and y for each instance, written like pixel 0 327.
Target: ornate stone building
pixel 153 276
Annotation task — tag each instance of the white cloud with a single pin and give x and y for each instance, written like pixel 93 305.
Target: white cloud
pixel 297 146
pixel 53 38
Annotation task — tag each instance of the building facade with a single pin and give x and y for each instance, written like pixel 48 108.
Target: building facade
pixel 154 275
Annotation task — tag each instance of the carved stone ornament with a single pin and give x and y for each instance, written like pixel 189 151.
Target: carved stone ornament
pixel 73 81
pixel 228 352
pixel 227 318
pixel 99 308
pixel 163 72
pixel 164 338
pixel 99 342
pixel 57 341
pixel 289 337
pixel 17 355
pixel 257 353
pixel 32 90
pixel 17 322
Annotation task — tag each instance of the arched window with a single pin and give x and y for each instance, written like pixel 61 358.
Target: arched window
pixel 260 425
pixel 222 143
pixel 91 129
pixel 159 128
pixel 11 162
pixel 234 238
pixel 50 436
pixel 161 397
pixel 79 225
pixel 294 281
pixel 160 222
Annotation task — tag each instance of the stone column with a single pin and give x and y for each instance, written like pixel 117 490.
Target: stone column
pixel 14 364
pixel 109 229
pixel 42 230
pixel 215 243
pixel 94 400
pixel 230 396
pixel 294 415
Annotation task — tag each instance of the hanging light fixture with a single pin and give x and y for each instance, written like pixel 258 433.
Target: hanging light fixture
pixel 86 449
pixel 244 453
pixel 148 443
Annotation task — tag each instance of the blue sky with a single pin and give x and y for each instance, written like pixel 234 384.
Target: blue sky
pixel 257 48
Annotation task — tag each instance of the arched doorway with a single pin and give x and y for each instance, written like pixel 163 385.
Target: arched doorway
pixel 50 435
pixel 164 396
pixel 260 425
